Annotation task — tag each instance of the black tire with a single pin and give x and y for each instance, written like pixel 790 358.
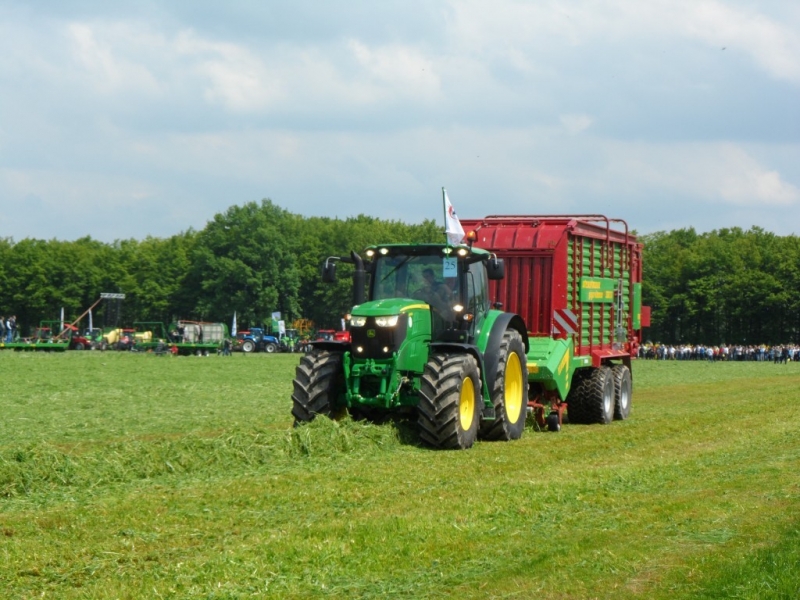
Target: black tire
pixel 623 391
pixel 318 381
pixel 449 401
pixel 248 346
pixel 270 348
pixel 576 411
pixel 510 391
pixel 78 346
pixel 597 396
pixel 552 422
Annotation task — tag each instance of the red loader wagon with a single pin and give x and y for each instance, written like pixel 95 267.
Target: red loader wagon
pixel 576 282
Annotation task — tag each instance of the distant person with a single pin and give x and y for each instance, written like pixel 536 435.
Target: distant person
pixel 2 328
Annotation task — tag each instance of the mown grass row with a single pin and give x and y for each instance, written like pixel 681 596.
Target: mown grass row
pixel 38 468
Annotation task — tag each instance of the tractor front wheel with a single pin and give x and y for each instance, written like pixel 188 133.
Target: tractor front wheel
pixel 270 348
pixel 510 391
pixel 449 401
pixel 318 381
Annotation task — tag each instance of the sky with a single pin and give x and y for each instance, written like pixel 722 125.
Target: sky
pixel 124 119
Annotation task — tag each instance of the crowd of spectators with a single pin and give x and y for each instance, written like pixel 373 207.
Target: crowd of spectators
pixel 762 353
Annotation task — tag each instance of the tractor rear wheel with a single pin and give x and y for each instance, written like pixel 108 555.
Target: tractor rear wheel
pixel 318 381
pixel 248 346
pixel 576 410
pixel 598 396
pixel 510 391
pixel 449 401
pixel 623 391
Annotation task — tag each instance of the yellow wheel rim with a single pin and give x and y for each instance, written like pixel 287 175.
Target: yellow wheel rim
pixel 513 388
pixel 466 403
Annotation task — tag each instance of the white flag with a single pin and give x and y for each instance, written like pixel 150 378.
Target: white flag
pixel 233 325
pixel 453 229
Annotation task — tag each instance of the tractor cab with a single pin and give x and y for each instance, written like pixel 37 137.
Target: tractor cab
pixel 127 339
pixel 76 340
pixel 452 281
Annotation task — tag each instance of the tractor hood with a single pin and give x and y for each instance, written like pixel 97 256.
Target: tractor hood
pixel 388 306
pixel 398 327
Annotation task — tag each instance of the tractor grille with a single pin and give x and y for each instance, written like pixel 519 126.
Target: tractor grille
pixel 371 341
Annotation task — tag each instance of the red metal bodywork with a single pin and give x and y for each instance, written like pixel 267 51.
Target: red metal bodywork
pixel 545 259
pixel 333 335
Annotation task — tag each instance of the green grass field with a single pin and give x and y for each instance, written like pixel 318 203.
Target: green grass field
pixel 136 476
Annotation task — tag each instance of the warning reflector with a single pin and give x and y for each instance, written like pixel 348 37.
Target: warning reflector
pixel 564 322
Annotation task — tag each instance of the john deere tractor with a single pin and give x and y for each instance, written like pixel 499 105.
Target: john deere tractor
pixel 425 343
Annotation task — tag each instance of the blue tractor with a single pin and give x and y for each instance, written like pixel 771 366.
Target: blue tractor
pixel 256 339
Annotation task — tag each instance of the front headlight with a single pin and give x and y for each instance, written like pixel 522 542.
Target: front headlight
pixel 358 321
pixel 387 321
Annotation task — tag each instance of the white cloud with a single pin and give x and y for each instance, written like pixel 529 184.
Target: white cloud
pixel 234 76
pixel 711 173
pixel 529 35
pixel 773 45
pixel 334 80
pixel 398 68
pixel 575 124
pixel 741 180
pixel 66 192
pixel 108 71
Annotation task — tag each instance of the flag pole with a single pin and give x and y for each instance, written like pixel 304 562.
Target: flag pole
pixel 444 213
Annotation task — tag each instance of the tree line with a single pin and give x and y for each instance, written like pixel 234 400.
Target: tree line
pixel 253 260
pixel 728 285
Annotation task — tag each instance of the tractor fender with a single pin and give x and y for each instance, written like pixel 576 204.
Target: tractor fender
pixel 500 325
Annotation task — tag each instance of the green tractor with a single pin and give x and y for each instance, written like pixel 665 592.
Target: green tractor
pixel 426 343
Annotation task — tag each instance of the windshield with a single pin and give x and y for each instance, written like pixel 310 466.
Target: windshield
pixel 417 277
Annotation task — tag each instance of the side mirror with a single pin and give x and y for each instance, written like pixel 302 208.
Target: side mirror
pixel 329 271
pixel 495 268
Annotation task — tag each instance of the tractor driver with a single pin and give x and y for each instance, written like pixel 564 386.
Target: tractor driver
pixel 435 293
pixel 430 287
